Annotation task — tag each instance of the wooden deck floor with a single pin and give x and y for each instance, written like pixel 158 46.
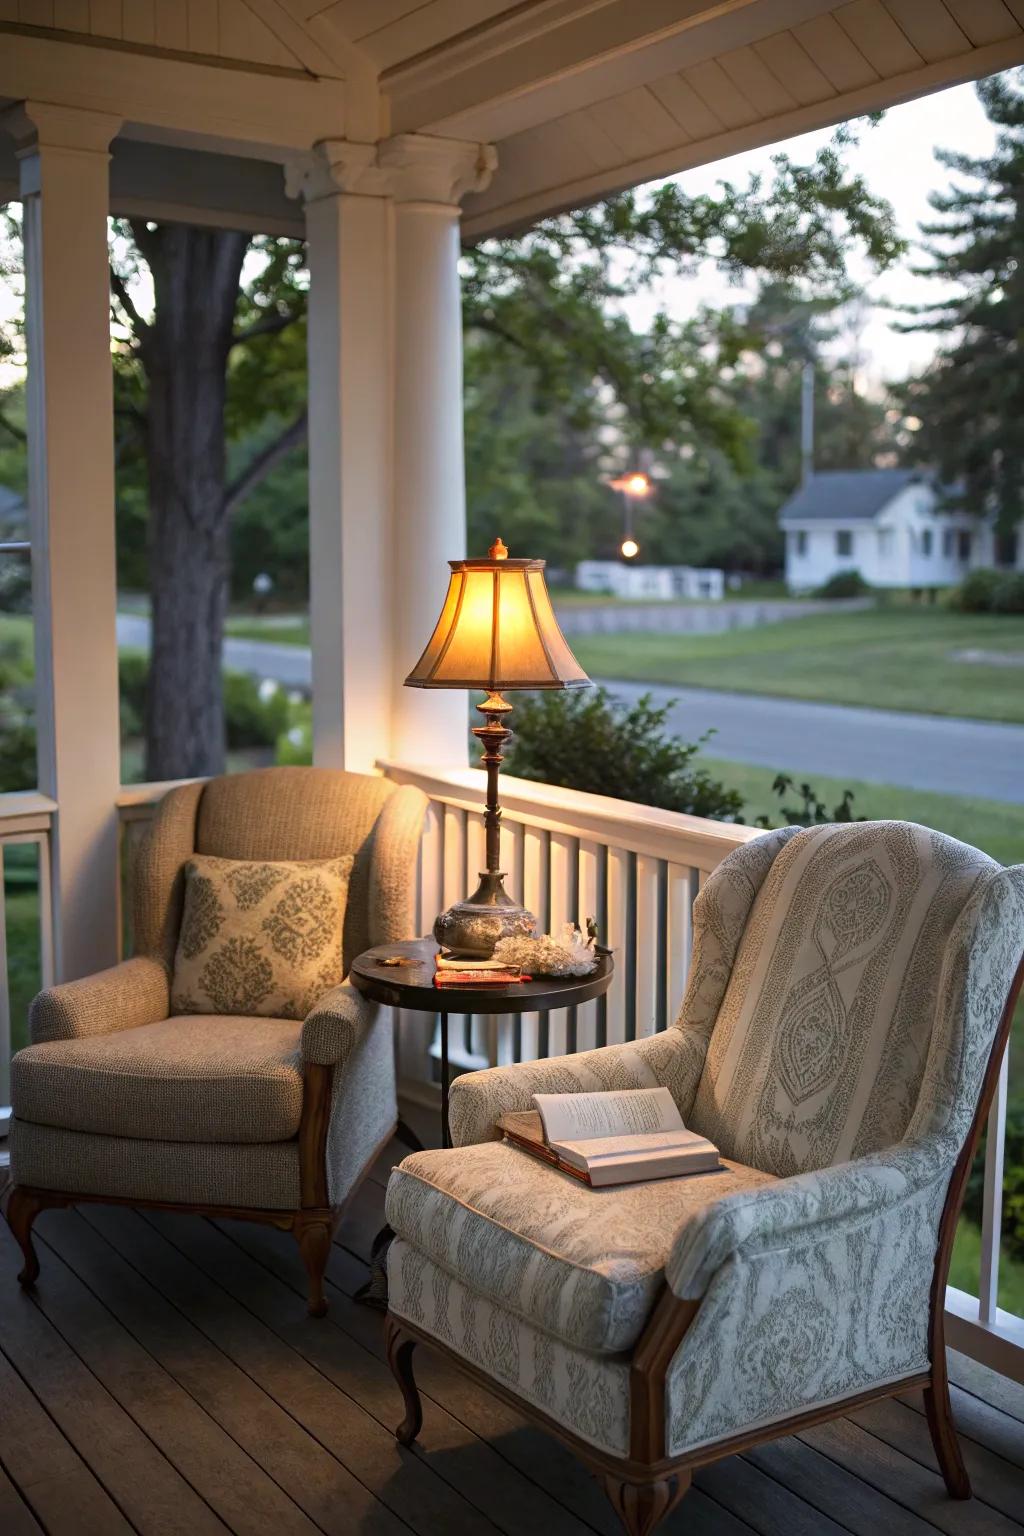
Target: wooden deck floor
pixel 166 1380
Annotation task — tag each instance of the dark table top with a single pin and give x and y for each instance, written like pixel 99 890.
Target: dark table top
pixel 412 986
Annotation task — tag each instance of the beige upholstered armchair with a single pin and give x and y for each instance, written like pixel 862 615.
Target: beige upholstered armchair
pixel 269 1119
pixel 849 999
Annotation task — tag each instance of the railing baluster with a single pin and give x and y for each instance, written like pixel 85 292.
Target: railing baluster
pixel 992 1204
pixel 587 904
pixel 618 925
pixel 646 951
pixel 681 888
pixel 535 896
pixel 562 862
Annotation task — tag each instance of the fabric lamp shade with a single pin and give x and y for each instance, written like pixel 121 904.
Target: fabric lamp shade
pixel 497 631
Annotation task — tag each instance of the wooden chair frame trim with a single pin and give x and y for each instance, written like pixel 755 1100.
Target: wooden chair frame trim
pixel 312 1225
pixel 647 1484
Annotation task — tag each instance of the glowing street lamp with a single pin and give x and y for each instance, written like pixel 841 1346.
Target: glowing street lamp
pixel 633 487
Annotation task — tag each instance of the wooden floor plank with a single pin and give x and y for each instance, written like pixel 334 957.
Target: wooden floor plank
pixel 825 1486
pixel 294 1470
pixel 999 1391
pixel 54 1481
pixel 320 1377
pixel 16 1519
pixel 996 1481
pixel 980 1422
pixel 905 1480
pixel 767 1505
pixel 455 1405
pixel 363 1219
pixel 37 1335
pixel 456 1410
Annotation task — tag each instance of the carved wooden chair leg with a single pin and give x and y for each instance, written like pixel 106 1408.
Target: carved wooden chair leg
pixel 22 1209
pixel 643 1506
pixel 314 1236
pixel 399 1347
pixel 944 1436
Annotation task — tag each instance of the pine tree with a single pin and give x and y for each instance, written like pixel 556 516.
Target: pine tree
pixel 970 402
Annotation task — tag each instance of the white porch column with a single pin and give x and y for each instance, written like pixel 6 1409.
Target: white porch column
pixel 429 176
pixel 63 156
pixel 349 230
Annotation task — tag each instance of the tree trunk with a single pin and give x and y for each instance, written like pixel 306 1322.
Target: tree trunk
pixel 196 274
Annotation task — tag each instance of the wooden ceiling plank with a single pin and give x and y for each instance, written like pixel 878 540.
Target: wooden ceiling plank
pixel 426 27
pixel 36 13
pixel 637 123
pixel 930 28
pixel 835 55
pixel 139 21
pixel 203 31
pixel 592 143
pixel 105 18
pixel 171 25
pixel 298 39
pixel 789 61
pixel 609 133
pixel 692 113
pixel 71 15
pixel 754 80
pixel 713 86
pixel 358 17
pixel 984 21
pixel 887 49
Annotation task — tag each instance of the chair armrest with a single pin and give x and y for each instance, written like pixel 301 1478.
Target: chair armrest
pixel 672 1059
pixel 803 1208
pixel 135 992
pixel 335 1024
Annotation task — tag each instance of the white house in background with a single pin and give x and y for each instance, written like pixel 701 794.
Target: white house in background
pixel 888 524
pixel 649 582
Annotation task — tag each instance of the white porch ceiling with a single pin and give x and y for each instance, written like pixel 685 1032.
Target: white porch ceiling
pixel 582 97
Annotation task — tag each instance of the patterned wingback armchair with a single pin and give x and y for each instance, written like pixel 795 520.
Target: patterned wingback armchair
pixel 264 1118
pixel 849 998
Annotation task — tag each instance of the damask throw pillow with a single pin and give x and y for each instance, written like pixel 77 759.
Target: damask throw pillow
pixel 259 938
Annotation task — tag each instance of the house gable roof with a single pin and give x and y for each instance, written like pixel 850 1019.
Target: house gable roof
pixel 848 495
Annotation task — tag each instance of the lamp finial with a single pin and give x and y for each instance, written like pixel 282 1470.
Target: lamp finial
pixel 497 550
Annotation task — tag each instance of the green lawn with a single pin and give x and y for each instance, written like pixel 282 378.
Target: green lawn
pixel 895 657
pixel 965 1269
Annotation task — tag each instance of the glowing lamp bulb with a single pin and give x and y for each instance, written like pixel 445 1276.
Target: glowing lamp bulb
pixel 629 549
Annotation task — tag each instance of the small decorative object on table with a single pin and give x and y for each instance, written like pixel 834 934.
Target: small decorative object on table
pixel 570 954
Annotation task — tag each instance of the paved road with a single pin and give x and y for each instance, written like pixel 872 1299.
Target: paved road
pixel 884 746
pixel 950 755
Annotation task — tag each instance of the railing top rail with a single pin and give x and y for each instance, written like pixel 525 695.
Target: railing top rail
pixel 26 810
pixel 691 840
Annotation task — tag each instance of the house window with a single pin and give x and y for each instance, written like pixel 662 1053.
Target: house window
pixel 885 542
pixel 800 542
pixel 926 541
pixel 963 544
pixel 844 542
pixel 947 543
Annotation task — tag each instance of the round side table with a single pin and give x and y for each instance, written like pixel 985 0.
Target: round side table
pixel 411 985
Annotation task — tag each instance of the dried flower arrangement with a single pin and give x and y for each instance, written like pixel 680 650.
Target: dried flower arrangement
pixel 570 954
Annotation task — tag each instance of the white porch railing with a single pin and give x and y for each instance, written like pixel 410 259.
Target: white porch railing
pixel 635 869
pixel 26 817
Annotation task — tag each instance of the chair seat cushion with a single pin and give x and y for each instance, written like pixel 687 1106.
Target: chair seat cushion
pixel 205 1079
pixel 586 1265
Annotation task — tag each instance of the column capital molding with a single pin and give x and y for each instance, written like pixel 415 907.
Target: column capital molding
pixel 36 125
pixel 411 167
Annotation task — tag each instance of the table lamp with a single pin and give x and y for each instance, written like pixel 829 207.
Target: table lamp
pixel 497 631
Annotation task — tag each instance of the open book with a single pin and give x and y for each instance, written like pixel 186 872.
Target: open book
pixel 620 1137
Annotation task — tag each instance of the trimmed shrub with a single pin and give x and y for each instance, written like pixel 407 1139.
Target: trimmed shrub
pixel 844 584
pixel 977 590
pixel 1008 595
pixel 592 741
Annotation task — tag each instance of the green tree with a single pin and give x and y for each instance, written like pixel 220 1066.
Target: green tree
pixel 970 402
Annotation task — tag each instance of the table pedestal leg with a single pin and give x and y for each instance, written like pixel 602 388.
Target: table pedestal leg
pixel 446 1135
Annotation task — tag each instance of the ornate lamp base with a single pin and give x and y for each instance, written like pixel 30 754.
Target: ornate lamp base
pixel 473 927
